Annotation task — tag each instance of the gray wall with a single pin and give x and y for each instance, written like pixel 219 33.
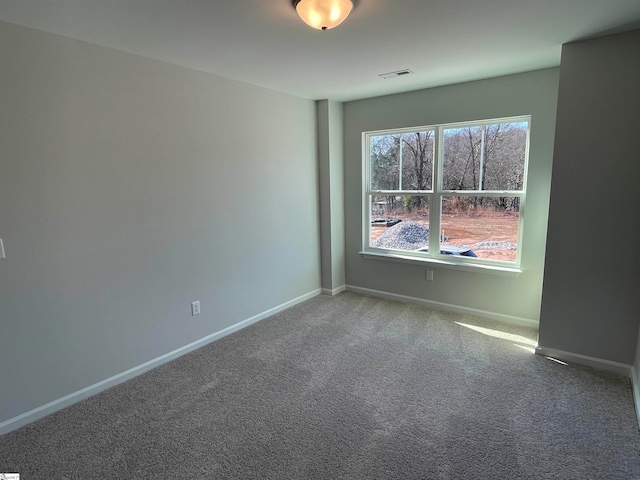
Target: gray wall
pixel 513 299
pixel 590 303
pixel 129 188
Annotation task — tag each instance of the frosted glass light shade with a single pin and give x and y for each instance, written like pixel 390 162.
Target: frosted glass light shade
pixel 324 14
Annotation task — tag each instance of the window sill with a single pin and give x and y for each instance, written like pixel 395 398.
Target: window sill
pixel 505 271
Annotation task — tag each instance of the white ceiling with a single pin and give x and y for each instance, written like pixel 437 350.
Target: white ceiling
pixel 263 42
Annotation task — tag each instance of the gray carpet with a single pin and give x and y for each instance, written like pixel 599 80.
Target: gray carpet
pixel 346 387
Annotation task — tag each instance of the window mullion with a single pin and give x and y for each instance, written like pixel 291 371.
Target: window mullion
pixel 400 172
pixel 482 147
pixel 435 205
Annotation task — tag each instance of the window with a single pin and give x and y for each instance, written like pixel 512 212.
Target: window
pixel 447 193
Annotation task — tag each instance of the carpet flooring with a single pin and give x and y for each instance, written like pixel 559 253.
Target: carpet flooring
pixel 347 387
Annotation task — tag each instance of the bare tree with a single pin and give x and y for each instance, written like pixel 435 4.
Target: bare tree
pixel 476 158
pixel 417 170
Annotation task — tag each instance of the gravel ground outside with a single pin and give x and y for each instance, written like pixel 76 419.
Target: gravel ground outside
pixel 492 236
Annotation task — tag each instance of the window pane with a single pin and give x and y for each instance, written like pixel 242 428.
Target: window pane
pixel 417 160
pixel 488 226
pixel 385 166
pixel 402 161
pixel 399 222
pixel 461 158
pixel 505 151
pixel 486 157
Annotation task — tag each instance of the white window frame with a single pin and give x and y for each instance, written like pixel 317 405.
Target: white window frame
pixel 435 196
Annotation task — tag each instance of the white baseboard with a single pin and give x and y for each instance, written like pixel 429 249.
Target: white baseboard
pixel 599 363
pixel 63 402
pixel 525 322
pixel 334 291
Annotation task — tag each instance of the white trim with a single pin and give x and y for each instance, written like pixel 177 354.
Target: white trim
pixel 334 291
pixel 454 264
pixel 436 194
pixel 599 363
pixel 63 402
pixel 524 322
pixel 636 391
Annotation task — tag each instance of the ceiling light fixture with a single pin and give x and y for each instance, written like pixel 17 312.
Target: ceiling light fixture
pixel 323 14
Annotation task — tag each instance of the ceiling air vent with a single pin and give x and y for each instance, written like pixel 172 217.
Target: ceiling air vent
pixel 397 73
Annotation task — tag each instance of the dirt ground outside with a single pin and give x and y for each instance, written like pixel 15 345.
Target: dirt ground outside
pixel 491 235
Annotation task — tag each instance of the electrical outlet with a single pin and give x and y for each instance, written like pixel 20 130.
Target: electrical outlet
pixel 195 308
pixel 429 275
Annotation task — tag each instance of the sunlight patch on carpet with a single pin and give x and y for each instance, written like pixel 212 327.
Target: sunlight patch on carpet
pixel 531 350
pixel 519 339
